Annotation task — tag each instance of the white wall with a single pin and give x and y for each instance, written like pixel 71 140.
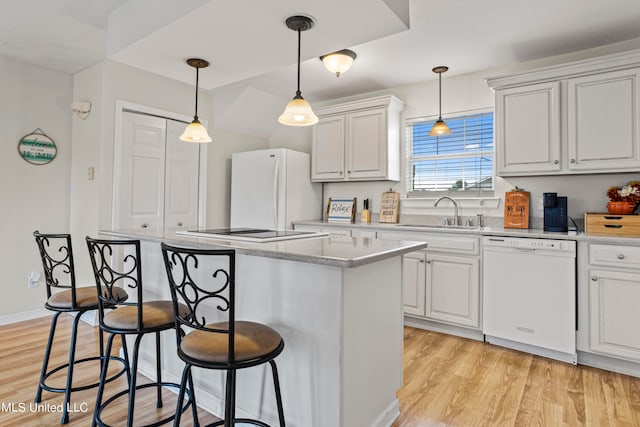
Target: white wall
pixel 219 172
pixel 31 197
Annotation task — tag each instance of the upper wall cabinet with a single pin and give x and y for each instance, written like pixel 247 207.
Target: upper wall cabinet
pixel 580 117
pixel 358 141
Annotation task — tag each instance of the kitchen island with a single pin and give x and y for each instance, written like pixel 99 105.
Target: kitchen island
pixel 337 302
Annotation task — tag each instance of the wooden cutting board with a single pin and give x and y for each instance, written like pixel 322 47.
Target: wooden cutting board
pixel 390 207
pixel 516 209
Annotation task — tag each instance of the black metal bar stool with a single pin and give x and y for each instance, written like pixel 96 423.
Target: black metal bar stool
pixel 226 344
pixel 117 263
pixel 64 297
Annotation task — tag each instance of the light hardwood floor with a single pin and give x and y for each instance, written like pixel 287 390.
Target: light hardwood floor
pixel 21 351
pixel 448 381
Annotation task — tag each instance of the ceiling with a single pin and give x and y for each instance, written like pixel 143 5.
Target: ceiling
pixel 397 41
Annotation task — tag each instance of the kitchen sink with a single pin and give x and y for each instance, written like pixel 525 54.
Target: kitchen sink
pixel 453 227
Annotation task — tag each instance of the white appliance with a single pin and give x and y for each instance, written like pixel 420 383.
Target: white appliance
pixel 272 188
pixel 529 295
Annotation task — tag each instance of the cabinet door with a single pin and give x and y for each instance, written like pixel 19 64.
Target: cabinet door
pixel 367 144
pixel 453 289
pixel 614 318
pixel 327 158
pixel 528 129
pixel 413 281
pixel 602 122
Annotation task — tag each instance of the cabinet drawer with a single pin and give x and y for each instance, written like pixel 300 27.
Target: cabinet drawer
pixel 614 255
pixel 437 242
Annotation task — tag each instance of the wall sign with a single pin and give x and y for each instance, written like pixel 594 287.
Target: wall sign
pixel 341 210
pixel 37 148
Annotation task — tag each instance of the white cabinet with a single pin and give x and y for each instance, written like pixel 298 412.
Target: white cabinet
pixel 453 289
pixel 614 292
pixel 357 141
pixel 580 117
pixel 442 283
pixel 602 124
pixel 528 129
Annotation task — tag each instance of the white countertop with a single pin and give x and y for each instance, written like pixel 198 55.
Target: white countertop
pixel 479 231
pixel 326 250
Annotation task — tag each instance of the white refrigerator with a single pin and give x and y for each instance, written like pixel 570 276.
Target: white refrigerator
pixel 271 188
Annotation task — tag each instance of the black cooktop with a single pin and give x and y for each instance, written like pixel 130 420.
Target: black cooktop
pixel 256 233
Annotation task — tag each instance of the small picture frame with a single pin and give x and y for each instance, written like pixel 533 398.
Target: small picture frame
pixel 341 210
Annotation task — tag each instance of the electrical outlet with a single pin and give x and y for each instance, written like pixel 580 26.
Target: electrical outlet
pixel 91 173
pixel 33 279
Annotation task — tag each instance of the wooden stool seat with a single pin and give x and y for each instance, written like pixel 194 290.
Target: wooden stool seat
pixel 252 341
pixel 155 314
pixel 86 298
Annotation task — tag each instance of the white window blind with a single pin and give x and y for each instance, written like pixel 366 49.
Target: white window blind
pixel 459 162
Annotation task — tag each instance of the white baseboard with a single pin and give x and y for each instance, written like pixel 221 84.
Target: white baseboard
pixel 23 315
pixel 89 317
pixel 391 414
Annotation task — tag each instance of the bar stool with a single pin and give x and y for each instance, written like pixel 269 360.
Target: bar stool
pixel 64 297
pixel 118 262
pixel 227 344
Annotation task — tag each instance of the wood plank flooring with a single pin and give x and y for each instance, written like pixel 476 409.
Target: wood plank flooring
pixel 448 381
pixel 22 348
pixel 451 381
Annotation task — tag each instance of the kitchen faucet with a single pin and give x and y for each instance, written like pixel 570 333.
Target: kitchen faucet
pixel 455 208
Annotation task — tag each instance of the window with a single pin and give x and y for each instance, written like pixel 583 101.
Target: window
pixel 459 162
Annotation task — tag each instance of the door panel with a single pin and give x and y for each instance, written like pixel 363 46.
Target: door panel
pixel 181 179
pixel 140 181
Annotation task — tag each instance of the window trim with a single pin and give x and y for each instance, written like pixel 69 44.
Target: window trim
pixel 437 193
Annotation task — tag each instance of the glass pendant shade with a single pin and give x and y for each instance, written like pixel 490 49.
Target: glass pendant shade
pixel 298 112
pixel 439 128
pixel 338 62
pixel 195 132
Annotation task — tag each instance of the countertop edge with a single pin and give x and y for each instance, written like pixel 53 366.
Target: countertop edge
pixel 259 249
pixel 483 231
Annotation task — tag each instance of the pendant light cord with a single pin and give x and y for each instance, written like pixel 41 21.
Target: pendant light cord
pixel 197 73
pixel 299 42
pixel 439 96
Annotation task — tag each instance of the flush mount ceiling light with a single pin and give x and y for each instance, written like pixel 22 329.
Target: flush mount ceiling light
pixel 298 112
pixel 440 127
pixel 338 62
pixel 195 131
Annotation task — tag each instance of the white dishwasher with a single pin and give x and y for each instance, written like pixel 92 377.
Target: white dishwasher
pixel 529 295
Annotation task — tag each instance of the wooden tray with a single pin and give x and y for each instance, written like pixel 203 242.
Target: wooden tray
pixel 604 224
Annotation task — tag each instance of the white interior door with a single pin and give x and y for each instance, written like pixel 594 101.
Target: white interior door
pixel 139 198
pixel 181 179
pixel 156 176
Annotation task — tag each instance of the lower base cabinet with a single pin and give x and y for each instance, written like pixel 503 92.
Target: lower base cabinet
pixel 613 278
pixel 614 318
pixel 442 287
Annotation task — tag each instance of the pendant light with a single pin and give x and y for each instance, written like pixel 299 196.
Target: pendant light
pixel 338 62
pixel 440 127
pixel 195 131
pixel 298 112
